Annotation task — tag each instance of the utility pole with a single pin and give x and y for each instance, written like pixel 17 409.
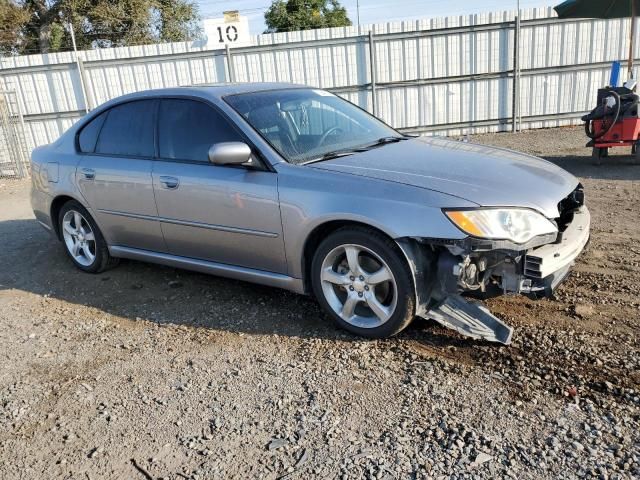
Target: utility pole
pixel 358 14
pixel 515 105
pixel 231 76
pixel 372 62
pixel 631 39
pixel 80 67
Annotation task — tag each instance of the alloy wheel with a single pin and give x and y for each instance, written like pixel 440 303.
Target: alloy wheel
pixel 79 238
pixel 359 286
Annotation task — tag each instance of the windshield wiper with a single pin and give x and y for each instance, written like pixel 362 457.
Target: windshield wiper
pixel 351 151
pixel 332 155
pixel 384 141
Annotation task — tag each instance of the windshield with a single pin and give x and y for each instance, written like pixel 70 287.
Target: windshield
pixel 308 125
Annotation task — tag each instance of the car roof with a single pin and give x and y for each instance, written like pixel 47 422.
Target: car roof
pixel 212 90
pixel 222 89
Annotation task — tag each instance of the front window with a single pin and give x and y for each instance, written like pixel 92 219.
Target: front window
pixel 187 129
pixel 306 124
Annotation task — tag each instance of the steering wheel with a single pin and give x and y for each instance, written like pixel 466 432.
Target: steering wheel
pixel 328 132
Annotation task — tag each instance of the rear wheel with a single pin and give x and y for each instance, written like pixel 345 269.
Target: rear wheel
pixel 362 281
pixel 83 240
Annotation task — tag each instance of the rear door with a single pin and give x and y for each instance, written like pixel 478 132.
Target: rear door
pixel 114 174
pixel 225 214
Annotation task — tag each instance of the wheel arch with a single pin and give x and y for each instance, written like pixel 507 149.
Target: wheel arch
pixel 56 205
pixel 320 232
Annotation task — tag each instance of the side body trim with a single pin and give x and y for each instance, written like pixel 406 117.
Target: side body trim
pixel 271 279
pixel 208 226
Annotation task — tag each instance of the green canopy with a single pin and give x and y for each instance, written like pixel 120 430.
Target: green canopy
pixel 598 8
pixel 603 9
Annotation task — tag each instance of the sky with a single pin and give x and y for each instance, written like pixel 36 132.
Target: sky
pixel 372 11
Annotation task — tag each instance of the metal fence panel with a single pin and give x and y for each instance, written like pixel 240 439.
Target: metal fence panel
pixel 13 148
pixel 449 75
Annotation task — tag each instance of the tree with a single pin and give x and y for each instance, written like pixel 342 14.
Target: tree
pixel 43 24
pixel 287 15
pixel 177 21
pixel 12 21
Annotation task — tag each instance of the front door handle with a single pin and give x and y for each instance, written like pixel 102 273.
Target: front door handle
pixel 169 182
pixel 89 173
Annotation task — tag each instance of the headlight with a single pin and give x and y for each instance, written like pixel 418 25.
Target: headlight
pixel 516 224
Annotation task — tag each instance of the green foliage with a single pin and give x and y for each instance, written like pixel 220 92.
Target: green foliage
pixel 12 20
pixel 41 26
pixel 176 21
pixel 287 15
pixel 57 37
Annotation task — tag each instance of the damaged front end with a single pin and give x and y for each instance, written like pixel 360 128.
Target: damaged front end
pixel 449 272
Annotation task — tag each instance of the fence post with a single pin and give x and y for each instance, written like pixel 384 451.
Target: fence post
pixel 515 106
pixel 372 62
pixel 231 71
pixel 80 69
pixel 88 97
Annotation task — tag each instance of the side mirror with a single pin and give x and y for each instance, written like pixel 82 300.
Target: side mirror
pixel 230 153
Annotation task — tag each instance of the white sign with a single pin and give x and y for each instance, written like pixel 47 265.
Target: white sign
pixel 232 31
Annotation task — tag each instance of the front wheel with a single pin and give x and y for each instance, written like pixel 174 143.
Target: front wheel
pixel 361 279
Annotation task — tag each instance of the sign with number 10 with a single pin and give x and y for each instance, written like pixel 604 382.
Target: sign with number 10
pixel 221 32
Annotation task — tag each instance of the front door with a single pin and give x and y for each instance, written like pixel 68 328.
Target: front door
pixel 114 175
pixel 224 214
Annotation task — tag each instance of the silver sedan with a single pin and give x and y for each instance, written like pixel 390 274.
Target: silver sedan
pixel 294 187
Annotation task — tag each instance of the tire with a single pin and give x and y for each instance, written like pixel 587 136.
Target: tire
pixel 92 256
pixel 383 305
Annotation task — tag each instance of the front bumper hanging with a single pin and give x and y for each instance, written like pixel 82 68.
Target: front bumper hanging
pixel 471 319
pixel 534 272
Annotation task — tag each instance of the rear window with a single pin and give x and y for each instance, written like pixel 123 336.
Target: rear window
pixel 128 130
pixel 89 134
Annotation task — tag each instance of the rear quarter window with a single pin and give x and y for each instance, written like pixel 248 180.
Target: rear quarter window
pixel 89 134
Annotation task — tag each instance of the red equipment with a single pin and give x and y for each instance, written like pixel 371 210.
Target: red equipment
pixel 615 122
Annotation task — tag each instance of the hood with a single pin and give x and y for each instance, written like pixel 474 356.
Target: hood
pixel 487 176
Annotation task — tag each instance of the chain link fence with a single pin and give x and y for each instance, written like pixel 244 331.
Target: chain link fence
pixel 14 156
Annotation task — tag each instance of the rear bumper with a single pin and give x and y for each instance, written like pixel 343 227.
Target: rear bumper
pixel 545 267
pixel 41 205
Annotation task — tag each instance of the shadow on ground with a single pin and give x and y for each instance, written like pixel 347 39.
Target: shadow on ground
pixel 615 167
pixel 35 262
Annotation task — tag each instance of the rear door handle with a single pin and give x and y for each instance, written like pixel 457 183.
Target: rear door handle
pixel 89 173
pixel 169 182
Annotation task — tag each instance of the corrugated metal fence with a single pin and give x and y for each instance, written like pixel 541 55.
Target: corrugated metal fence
pixel 450 75
pixel 14 155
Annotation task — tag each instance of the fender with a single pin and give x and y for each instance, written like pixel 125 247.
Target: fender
pixel 311 197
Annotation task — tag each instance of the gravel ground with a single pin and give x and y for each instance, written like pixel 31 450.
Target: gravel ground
pixel 146 372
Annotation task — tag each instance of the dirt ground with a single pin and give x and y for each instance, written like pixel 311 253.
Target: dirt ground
pixel 147 372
